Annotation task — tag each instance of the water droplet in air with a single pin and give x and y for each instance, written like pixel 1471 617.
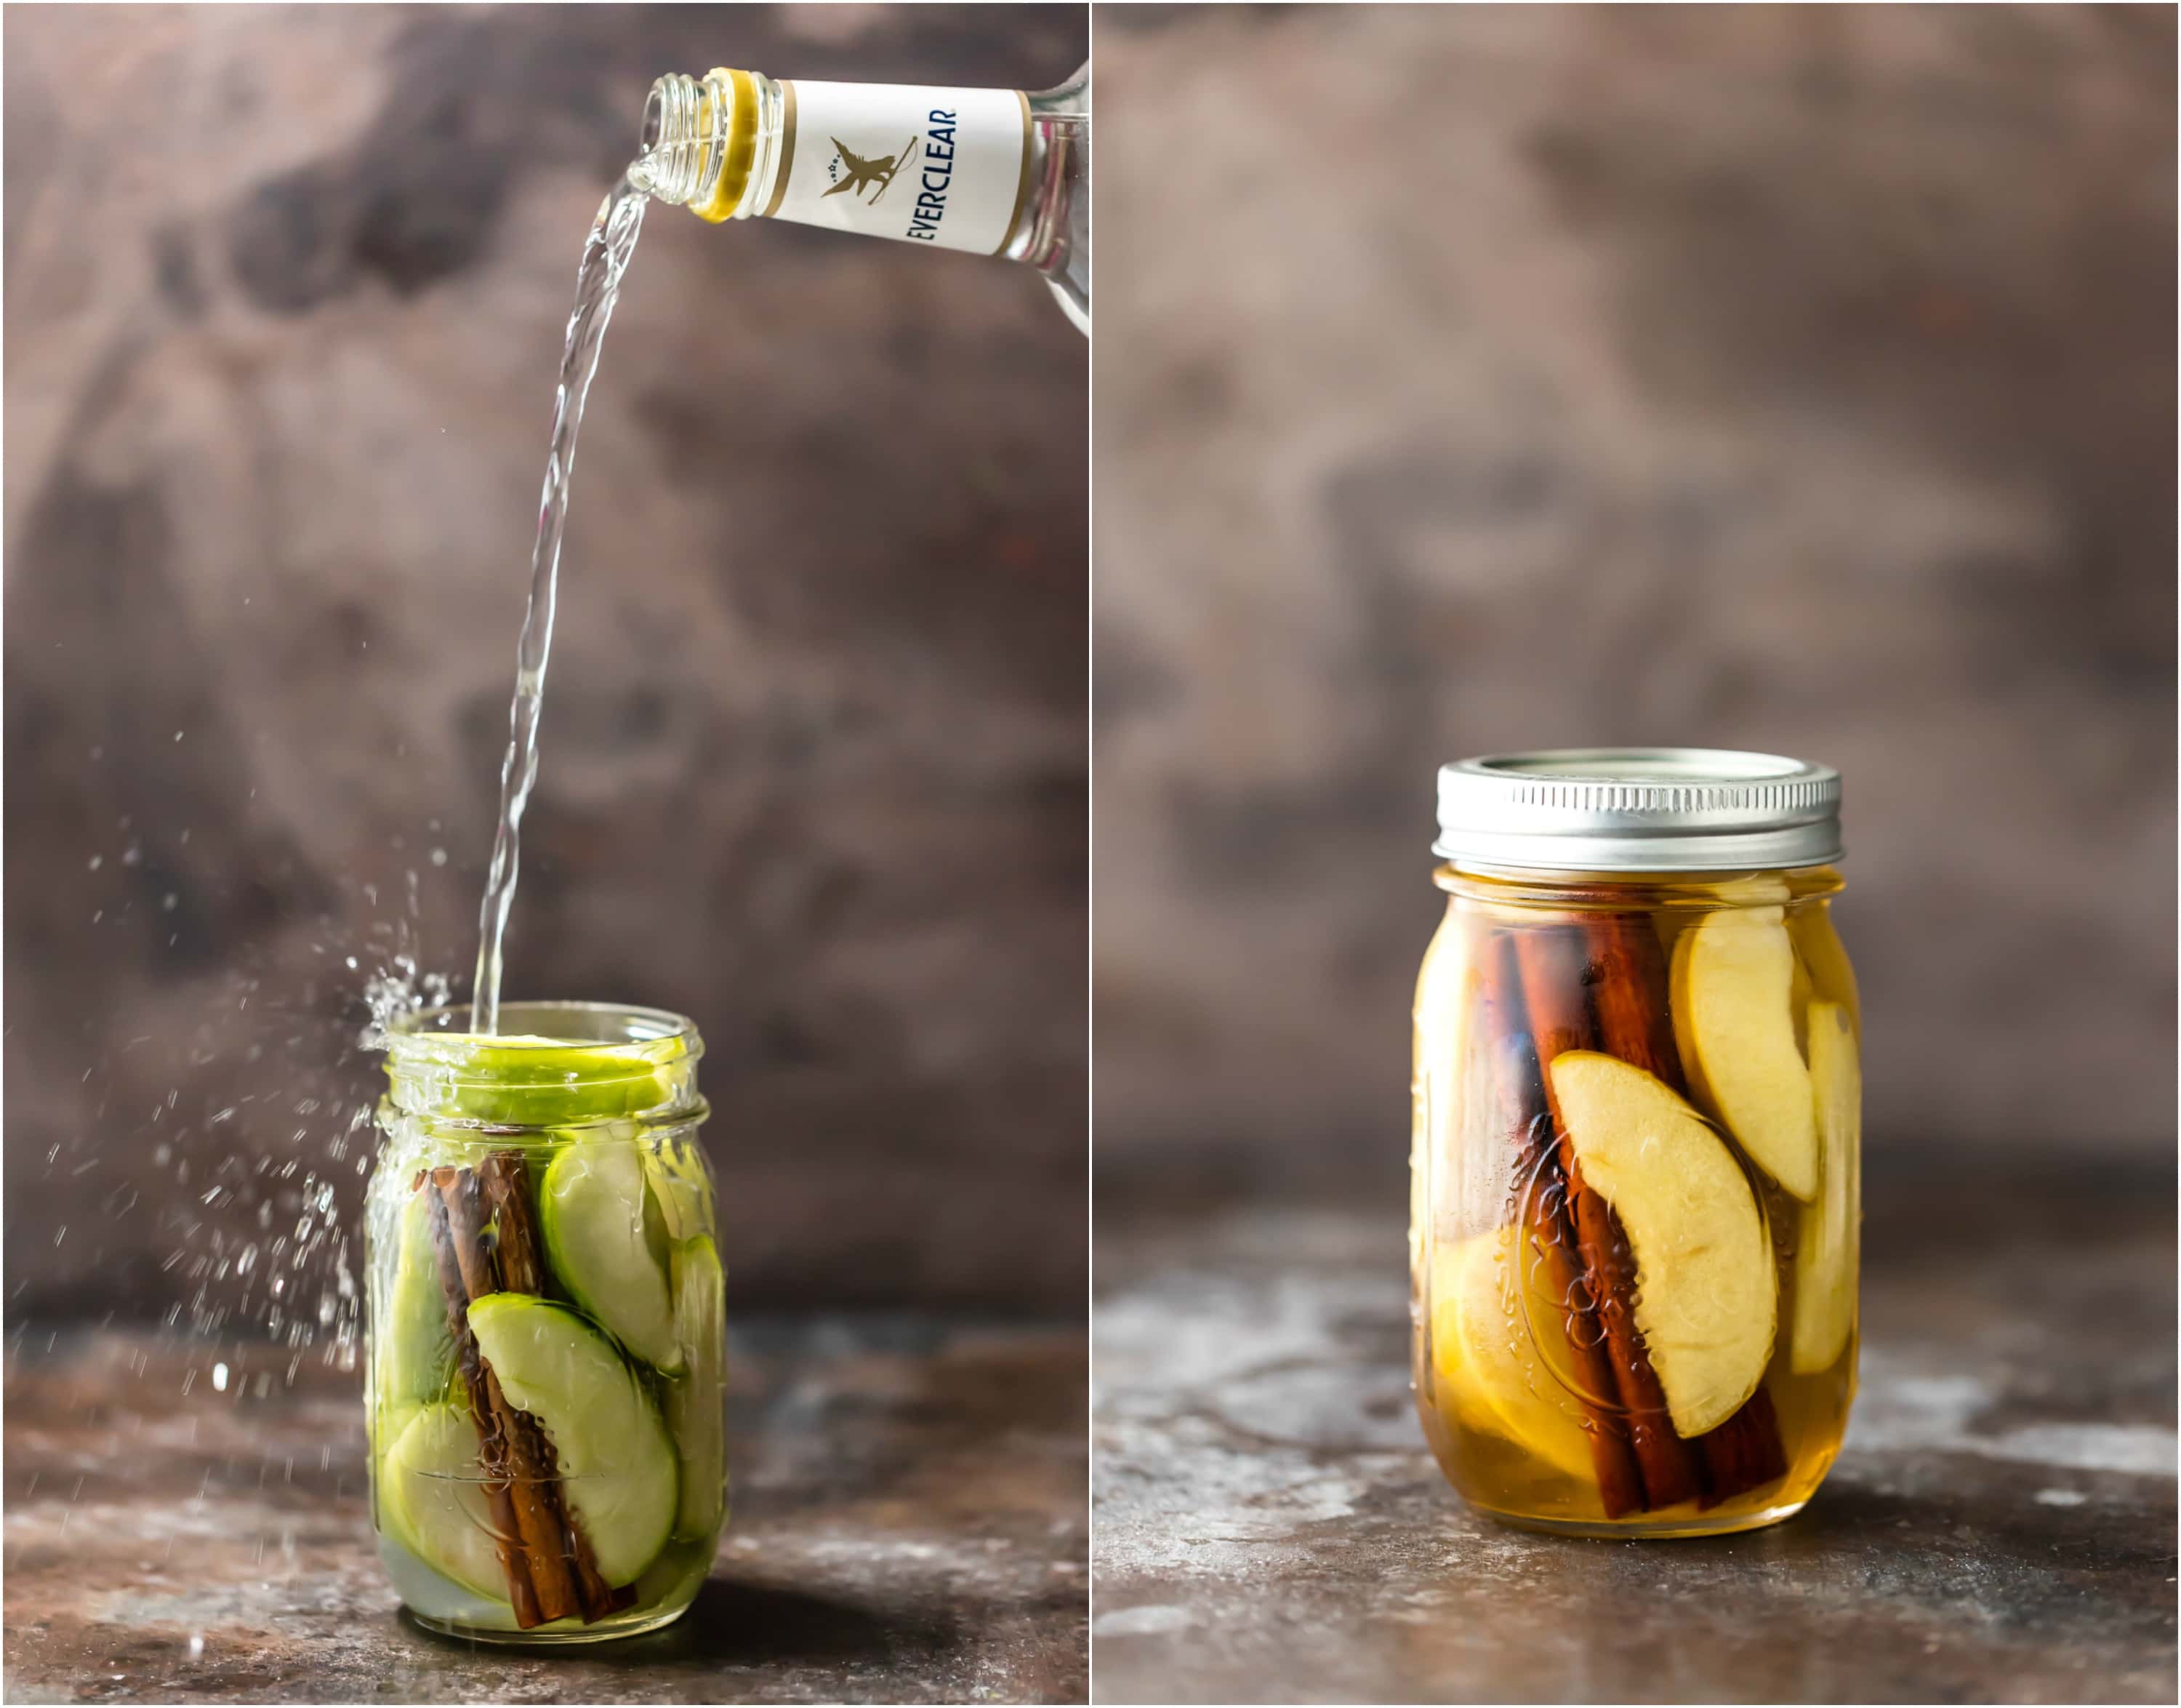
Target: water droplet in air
pixel 438 857
pixel 97 861
pixel 219 1377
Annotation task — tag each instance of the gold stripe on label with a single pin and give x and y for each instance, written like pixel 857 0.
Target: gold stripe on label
pixel 787 148
pixel 1022 182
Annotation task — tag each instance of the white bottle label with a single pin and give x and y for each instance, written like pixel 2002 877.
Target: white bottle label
pixel 947 167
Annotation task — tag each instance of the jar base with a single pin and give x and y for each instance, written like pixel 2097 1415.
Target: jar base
pixel 607 1631
pixel 1649 1530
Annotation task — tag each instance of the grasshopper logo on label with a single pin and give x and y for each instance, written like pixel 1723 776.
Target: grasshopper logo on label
pixel 850 171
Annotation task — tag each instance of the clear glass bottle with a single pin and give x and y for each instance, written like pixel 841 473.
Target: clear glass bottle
pixel 1636 1150
pixel 991 171
pixel 546 1379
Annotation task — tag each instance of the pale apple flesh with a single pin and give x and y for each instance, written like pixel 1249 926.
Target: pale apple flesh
pixel 1707 1300
pixel 1487 1363
pixel 1751 889
pixel 1441 1018
pixel 1733 1022
pixel 1826 1248
pixel 1818 947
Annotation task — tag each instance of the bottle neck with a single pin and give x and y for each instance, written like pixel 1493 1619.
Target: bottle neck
pixel 711 145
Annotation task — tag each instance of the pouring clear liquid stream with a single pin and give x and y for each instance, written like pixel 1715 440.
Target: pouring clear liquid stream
pixel 606 255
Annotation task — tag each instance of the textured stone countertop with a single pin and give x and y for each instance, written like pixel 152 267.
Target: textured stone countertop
pixel 908 1526
pixel 2000 1528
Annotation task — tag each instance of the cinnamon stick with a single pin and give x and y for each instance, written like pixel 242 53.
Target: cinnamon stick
pixel 1548 1222
pixel 518 1255
pixel 1629 992
pixel 1743 1453
pixel 524 1458
pixel 503 1177
pixel 1553 961
pixel 476 1382
pixel 552 1571
pixel 1627 980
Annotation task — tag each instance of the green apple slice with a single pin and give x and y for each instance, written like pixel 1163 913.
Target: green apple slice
pixel 1825 1251
pixel 673 1579
pixel 1707 1300
pixel 382 1428
pixel 518 1080
pixel 606 1240
pixel 695 1400
pixel 417 1359
pixel 1481 1349
pixel 432 1497
pixel 675 1167
pixel 617 1465
pixel 1734 1020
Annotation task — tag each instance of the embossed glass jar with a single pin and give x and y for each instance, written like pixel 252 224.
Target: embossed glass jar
pixel 546 1380
pixel 1637 1113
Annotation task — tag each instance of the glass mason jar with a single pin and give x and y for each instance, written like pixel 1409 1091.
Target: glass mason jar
pixel 546 1380
pixel 1634 1163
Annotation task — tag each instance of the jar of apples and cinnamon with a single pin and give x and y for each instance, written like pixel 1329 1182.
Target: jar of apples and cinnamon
pixel 1634 1163
pixel 544 1394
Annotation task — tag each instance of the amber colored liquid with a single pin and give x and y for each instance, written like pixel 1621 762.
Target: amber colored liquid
pixel 1503 1397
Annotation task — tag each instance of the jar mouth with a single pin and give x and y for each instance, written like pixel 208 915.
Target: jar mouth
pixel 551 1064
pixel 602 1026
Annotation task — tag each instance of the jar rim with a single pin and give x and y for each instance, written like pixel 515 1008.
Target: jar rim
pixel 605 1030
pixel 613 1059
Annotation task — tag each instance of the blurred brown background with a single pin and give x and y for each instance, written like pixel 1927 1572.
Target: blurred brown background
pixel 285 290
pixel 1476 378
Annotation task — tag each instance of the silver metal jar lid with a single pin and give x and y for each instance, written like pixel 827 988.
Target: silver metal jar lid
pixel 1639 808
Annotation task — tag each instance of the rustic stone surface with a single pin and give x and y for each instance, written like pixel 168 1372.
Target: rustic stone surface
pixel 286 295
pixel 1791 378
pixel 907 1525
pixel 1270 1526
